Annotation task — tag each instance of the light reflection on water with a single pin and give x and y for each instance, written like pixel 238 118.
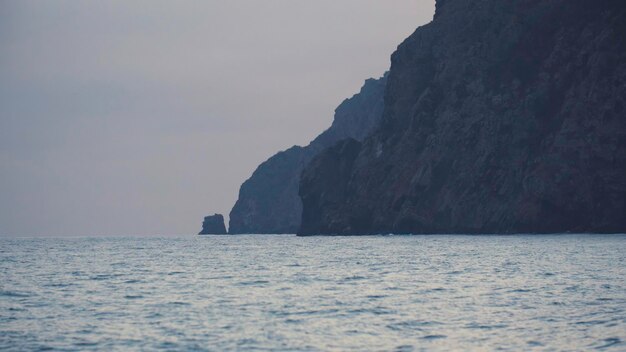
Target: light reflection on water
pixel 287 293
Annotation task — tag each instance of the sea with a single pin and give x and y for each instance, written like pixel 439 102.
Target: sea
pixel 288 293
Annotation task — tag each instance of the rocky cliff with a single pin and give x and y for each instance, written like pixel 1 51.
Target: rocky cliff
pixel 213 225
pixel 268 201
pixel 499 117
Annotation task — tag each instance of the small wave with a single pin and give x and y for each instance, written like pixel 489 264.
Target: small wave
pixel 521 290
pixel 168 345
pixel 293 321
pixel 253 283
pixel 85 344
pixel 179 303
pixel 434 337
pixel 412 325
pixel 375 311
pixel 104 314
pixel 393 288
pixel 486 327
pixel 226 277
pixel 101 277
pixel 246 341
pixel 133 296
pixel 58 284
pixel 14 294
pixel 305 312
pixel 534 343
pixel 353 278
pixel 591 322
pixel 609 343
pixel 376 296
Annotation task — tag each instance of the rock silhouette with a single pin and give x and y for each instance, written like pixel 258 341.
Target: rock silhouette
pixel 499 117
pixel 268 201
pixel 213 225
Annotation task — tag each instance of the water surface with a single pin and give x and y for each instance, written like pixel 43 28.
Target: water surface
pixel 386 293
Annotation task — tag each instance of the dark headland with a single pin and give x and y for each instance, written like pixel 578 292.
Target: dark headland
pixel 496 117
pixel 268 201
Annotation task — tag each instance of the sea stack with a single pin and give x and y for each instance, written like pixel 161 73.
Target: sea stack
pixel 213 225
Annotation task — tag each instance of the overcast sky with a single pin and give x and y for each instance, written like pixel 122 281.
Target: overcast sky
pixel 140 117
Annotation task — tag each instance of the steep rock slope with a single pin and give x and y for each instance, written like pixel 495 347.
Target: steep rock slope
pixel 268 201
pixel 499 117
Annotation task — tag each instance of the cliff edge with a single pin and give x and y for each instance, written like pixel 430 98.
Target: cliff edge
pixel 499 117
pixel 268 201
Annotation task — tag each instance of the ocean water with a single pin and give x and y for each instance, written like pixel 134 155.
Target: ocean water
pixel 388 293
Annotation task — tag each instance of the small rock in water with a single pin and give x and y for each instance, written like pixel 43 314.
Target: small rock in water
pixel 213 225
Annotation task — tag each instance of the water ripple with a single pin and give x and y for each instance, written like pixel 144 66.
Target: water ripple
pixel 381 293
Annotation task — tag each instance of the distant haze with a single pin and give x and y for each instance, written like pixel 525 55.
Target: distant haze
pixel 140 117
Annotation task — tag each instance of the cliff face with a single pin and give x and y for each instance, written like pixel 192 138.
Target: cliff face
pixel 499 117
pixel 268 201
pixel 213 225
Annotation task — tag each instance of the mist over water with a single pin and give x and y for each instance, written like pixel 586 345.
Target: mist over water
pixel 287 293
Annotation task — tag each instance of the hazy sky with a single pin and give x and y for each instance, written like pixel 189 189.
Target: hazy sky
pixel 140 117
